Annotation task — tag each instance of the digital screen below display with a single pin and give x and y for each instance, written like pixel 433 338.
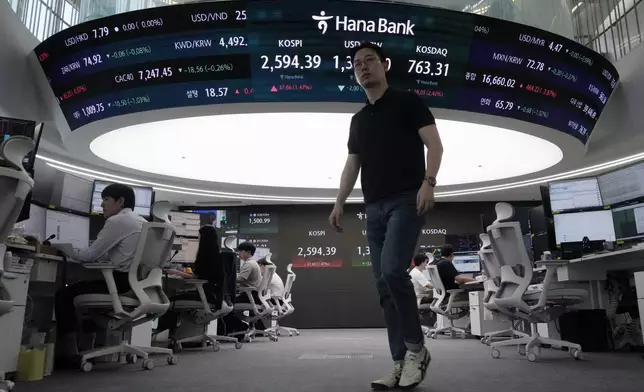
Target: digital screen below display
pixel 289 50
pixel 142 198
pixel 467 263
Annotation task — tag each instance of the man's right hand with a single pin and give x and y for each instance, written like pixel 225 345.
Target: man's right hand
pixel 334 218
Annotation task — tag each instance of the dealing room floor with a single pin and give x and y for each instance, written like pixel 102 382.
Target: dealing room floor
pixel 347 360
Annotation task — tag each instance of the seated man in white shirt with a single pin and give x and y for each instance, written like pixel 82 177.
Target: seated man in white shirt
pixel 422 286
pixel 275 287
pixel 116 244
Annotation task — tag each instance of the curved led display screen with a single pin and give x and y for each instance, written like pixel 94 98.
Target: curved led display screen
pixel 293 50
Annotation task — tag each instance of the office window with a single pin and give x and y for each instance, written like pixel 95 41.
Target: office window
pixel 45 18
pixel 612 27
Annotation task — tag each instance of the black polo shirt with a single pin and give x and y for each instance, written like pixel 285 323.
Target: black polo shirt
pixel 448 274
pixel 385 137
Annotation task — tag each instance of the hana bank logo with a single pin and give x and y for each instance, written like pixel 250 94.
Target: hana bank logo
pixel 321 19
pixel 382 25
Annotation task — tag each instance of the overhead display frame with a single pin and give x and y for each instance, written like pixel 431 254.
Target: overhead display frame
pixel 292 50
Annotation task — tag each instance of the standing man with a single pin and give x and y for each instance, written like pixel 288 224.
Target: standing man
pixel 386 141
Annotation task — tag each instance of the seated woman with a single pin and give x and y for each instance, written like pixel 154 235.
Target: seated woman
pixel 208 266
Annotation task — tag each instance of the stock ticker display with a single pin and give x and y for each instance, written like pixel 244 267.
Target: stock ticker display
pixel 300 235
pixel 290 50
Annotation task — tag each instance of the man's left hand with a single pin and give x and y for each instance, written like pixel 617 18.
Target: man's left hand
pixel 425 198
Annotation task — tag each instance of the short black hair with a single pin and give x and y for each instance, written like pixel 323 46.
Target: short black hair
pixel 116 191
pixel 447 250
pixel 367 45
pixel 248 247
pixel 420 258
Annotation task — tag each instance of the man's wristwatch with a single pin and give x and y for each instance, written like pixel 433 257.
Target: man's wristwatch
pixel 431 181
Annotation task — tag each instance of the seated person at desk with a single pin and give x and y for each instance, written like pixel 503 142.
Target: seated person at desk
pixel 249 275
pixel 450 276
pixel 116 244
pixel 208 266
pixel 422 286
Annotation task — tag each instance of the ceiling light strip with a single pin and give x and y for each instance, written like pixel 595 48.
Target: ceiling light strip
pixel 203 192
pixel 89 172
pixel 108 177
pixel 554 177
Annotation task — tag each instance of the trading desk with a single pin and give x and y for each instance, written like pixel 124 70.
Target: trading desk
pixel 50 272
pixel 595 268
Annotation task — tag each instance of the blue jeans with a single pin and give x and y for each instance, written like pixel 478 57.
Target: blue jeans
pixel 393 227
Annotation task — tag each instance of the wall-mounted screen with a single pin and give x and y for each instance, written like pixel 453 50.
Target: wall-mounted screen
pixel 293 50
pixel 573 227
pixel 575 194
pixel 142 204
pixel 622 184
pixel 258 222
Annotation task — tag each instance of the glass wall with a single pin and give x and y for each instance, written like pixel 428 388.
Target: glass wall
pixel 46 17
pixel 610 27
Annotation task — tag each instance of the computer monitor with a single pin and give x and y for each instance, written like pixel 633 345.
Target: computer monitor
pixel 527 242
pixel 467 263
pixel 629 222
pixel 545 199
pixel 537 219
pixel 142 204
pixel 622 184
pixel 575 194
pixel 68 228
pixel 227 221
pixel 16 127
pixel 573 227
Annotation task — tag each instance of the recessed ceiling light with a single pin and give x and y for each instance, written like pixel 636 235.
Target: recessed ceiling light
pixel 306 150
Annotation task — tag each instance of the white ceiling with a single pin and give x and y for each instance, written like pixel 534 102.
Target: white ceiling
pixel 306 150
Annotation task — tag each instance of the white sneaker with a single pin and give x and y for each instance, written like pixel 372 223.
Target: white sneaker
pixel 390 381
pixel 414 368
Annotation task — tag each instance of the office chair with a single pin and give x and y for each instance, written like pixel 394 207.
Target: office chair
pixel 287 307
pixel 514 300
pixel 258 310
pixel 161 210
pixel 200 313
pixel 145 302
pixel 424 308
pixel 444 305
pixel 15 185
pixel 493 273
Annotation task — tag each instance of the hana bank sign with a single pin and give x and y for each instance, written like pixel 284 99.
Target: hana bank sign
pixel 382 25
